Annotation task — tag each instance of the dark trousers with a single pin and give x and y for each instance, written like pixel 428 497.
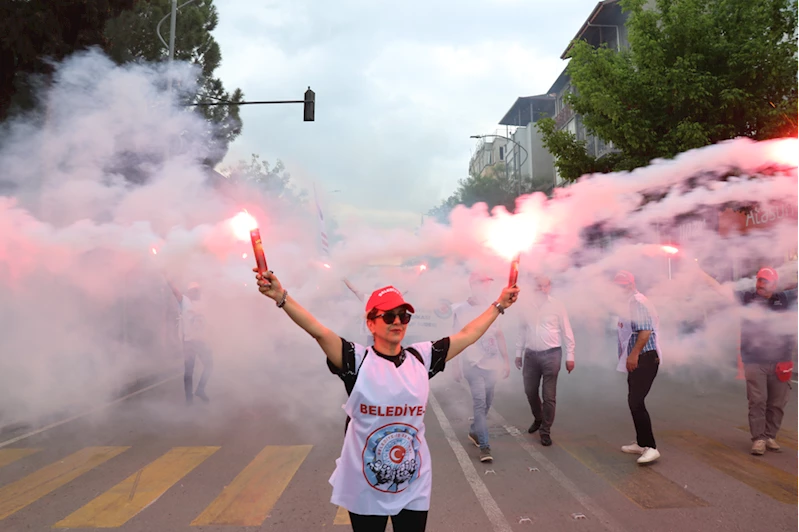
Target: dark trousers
pixel 405 521
pixel 193 349
pixel 541 366
pixel 639 382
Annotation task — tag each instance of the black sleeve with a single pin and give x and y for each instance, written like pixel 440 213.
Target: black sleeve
pixel 438 357
pixel 348 370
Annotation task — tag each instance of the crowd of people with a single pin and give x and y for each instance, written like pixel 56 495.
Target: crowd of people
pixel 384 468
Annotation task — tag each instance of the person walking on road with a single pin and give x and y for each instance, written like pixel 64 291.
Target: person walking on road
pixel 544 331
pixel 482 364
pixel 385 465
pixel 765 352
pixel 639 357
pixel 193 335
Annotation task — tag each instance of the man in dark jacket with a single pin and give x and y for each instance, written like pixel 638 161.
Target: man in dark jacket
pixel 765 352
pixel 766 345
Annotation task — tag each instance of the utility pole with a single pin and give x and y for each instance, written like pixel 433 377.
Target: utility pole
pixel 172 24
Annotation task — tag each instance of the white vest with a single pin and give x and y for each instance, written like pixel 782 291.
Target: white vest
pixel 384 465
pixel 625 332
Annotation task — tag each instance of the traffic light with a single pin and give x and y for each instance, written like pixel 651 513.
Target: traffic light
pixel 310 101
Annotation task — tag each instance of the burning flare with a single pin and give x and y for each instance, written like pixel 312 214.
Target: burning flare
pixel 242 224
pixel 509 235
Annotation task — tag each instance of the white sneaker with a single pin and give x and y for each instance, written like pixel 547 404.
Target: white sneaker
pixel 649 455
pixel 772 445
pixel 759 447
pixel 633 448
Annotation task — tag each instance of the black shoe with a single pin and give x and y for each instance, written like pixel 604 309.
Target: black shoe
pixel 546 441
pixel 534 427
pixel 485 455
pixel 201 395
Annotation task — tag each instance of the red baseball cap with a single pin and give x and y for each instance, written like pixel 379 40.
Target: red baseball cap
pixel 624 277
pixel 387 298
pixel 769 274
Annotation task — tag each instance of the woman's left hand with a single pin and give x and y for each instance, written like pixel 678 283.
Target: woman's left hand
pixel 508 296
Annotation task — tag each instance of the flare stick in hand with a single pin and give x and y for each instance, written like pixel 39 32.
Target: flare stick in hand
pixel 258 251
pixel 514 271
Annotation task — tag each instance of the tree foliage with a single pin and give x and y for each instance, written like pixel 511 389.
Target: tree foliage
pixel 494 187
pixel 132 37
pixel 35 32
pixel 697 72
pixel 274 180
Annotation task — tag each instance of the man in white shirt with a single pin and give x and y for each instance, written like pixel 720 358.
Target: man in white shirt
pixel 193 334
pixel 482 363
pixel 544 330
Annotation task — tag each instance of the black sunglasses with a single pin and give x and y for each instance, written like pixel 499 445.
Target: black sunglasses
pixel 389 317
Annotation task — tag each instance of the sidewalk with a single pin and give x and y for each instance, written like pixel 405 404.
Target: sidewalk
pixel 9 425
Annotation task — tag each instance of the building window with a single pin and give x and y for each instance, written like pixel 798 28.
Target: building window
pixel 502 153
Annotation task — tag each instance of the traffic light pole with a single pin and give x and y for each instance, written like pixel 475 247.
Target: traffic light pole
pixel 309 101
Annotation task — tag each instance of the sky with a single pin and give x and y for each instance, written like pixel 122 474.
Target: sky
pixel 399 89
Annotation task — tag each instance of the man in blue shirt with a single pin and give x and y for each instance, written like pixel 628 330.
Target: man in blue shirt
pixel 639 356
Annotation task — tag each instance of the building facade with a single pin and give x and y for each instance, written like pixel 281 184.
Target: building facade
pixel 489 151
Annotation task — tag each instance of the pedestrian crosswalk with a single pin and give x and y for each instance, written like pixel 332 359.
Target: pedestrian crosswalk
pixel 28 490
pixel 118 505
pixel 255 491
pixel 247 500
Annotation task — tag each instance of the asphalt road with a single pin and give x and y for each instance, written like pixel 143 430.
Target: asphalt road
pixel 252 458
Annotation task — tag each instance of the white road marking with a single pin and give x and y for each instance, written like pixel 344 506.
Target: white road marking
pixel 93 410
pixel 490 507
pixel 601 515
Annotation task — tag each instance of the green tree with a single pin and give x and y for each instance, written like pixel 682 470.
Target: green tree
pixel 274 180
pixel 697 72
pixel 34 32
pixel 495 187
pixel 131 37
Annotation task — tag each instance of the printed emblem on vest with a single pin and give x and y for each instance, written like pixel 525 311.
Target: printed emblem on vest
pixel 390 459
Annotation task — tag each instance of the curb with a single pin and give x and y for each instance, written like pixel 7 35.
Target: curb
pixel 54 417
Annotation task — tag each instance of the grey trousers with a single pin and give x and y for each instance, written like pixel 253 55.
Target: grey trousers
pixel 192 350
pixel 767 399
pixel 542 366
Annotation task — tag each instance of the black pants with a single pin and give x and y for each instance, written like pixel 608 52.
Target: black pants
pixel 191 350
pixel 639 382
pixel 405 521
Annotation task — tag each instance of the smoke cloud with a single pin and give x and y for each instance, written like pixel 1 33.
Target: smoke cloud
pixel 105 200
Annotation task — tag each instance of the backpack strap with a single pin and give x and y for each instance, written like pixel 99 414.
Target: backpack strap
pixel 350 385
pixel 416 354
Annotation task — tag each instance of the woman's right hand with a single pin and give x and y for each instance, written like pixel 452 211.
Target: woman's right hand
pixel 269 285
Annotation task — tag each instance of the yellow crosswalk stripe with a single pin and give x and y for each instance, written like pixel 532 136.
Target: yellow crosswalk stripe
pixel 755 473
pixel 342 517
pixel 250 497
pixel 8 456
pixel 25 491
pixel 118 505
pixel 642 485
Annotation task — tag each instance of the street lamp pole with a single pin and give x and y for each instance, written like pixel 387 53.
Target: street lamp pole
pixel 172 24
pixel 526 154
